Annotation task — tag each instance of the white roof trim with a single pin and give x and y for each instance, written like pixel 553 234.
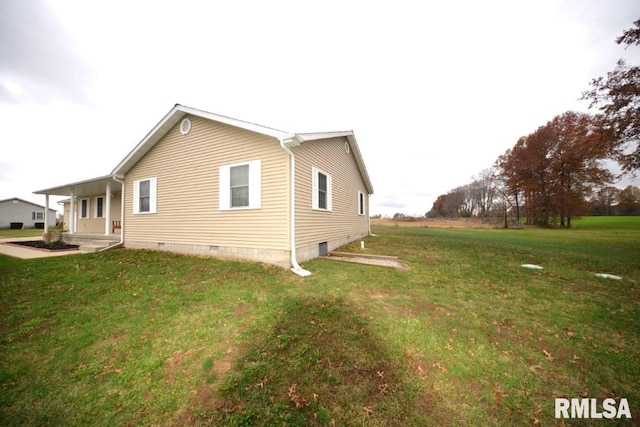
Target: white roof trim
pixel 303 137
pixel 179 111
pixel 176 114
pixel 66 188
pixel 312 136
pixel 170 120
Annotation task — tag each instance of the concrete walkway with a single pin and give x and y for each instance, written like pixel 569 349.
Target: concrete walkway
pixel 25 252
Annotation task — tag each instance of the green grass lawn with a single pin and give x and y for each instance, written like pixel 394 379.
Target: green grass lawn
pixel 6 233
pixel 464 336
pixel 611 222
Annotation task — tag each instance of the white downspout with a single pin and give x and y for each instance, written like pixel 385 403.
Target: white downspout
pixel 46 215
pixel 121 242
pixel 106 206
pixel 369 214
pixel 72 213
pixel 294 262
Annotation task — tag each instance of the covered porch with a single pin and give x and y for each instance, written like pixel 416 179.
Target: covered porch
pixel 93 209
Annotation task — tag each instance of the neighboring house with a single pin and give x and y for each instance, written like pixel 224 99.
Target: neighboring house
pixel 208 184
pixel 29 214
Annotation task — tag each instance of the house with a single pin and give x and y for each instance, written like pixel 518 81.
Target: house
pixel 203 183
pixel 30 215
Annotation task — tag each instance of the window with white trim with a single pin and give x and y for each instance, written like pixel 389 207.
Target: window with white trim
pixel 99 207
pixel 84 208
pixel 361 204
pixel 145 196
pixel 240 186
pixel 321 183
pixel 37 216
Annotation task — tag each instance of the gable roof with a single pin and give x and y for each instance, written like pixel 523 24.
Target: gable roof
pixel 24 201
pixel 302 137
pixel 171 119
pixel 179 111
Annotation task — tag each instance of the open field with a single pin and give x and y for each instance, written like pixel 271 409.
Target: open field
pixel 441 222
pixel 464 336
pixel 600 222
pixel 610 222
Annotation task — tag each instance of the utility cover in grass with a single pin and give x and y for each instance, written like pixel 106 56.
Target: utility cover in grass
pixel 532 266
pixel 608 276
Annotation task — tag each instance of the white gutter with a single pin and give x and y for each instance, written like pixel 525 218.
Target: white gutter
pixel 294 262
pixel 121 242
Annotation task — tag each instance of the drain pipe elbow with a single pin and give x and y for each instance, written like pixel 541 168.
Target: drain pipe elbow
pixel 296 268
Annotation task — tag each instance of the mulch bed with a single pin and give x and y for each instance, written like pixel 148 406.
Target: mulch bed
pixel 53 246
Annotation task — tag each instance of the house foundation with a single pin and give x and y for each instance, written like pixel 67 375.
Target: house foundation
pixel 277 257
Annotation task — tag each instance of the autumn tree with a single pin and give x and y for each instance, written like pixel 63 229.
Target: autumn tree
pixel 556 167
pixel 525 170
pixel 511 175
pixel 436 209
pixel 579 142
pixel 454 203
pixel 618 97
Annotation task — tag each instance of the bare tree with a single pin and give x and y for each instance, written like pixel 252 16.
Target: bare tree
pixel 604 199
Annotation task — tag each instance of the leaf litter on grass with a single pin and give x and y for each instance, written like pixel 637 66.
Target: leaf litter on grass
pixel 314 365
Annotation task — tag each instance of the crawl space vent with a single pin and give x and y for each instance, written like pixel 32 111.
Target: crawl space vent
pixel 185 126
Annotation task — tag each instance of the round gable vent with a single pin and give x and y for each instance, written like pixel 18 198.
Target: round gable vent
pixel 185 126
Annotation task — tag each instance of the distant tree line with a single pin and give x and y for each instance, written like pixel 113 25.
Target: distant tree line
pixel 614 201
pixel 480 198
pixel 559 172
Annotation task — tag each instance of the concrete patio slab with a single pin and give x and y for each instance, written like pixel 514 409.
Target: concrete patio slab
pixel 379 260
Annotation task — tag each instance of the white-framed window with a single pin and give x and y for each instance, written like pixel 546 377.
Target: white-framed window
pixel 37 216
pixel 99 211
pixel 321 183
pixel 145 196
pixel 84 208
pixel 240 186
pixel 361 203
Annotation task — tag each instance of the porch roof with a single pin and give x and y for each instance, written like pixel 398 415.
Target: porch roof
pixel 86 187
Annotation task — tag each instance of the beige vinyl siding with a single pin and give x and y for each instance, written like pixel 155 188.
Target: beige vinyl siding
pixel 92 225
pixel 187 167
pixel 343 221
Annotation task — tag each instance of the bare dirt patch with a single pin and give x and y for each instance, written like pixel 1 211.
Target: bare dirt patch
pixel 225 363
pixel 407 305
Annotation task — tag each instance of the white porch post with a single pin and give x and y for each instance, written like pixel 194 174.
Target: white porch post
pixel 46 214
pixel 72 213
pixel 107 206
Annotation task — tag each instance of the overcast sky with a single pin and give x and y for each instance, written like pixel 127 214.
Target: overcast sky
pixel 434 91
